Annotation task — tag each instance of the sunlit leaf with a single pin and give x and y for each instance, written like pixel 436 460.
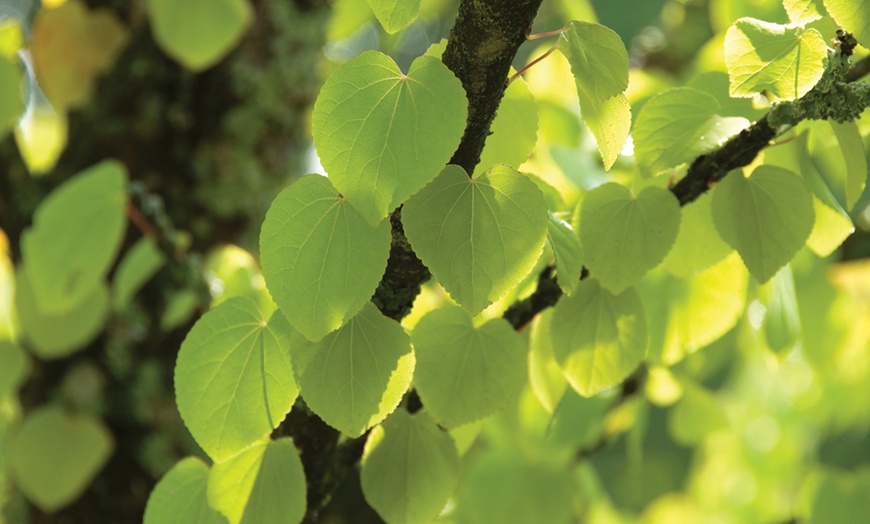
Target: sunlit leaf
pixel 787 61
pixel 698 245
pixel 75 236
pixel 233 272
pixel 465 373
pixel 264 483
pixel 598 338
pixel 54 456
pixel 321 260
pixel 678 125
pixel 383 135
pixel 347 17
pixel 851 15
pixel 568 252
pixel 598 58
pixel 514 130
pixel 767 217
pixel 852 146
pixel 801 11
pixel 71 46
pixel 357 375
pixel 505 487
pixel 53 336
pixel 599 63
pixel 41 136
pixel 395 15
pixel 199 33
pixel 11 36
pixel 233 378
pixel 480 236
pixel 180 497
pixel 139 264
pixel 624 235
pixel 14 366
pixel 410 468
pixel 830 229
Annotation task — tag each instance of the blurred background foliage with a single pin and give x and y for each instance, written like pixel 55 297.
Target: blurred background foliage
pixel 753 422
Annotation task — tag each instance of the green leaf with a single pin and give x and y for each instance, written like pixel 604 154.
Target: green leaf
pixel 179 309
pixel 598 58
pixel 395 15
pixel 12 103
pixel 598 338
pixel 465 373
pixel 54 456
pixel 140 263
pixel 853 16
pixel 505 487
pixel 852 146
pixel 599 63
pixel 698 245
pixel 801 11
pixel 410 468
pixel 782 325
pixel 75 236
pixel 264 483
pixel 180 496
pixel 346 18
pixel 357 375
pixel 57 336
pixel 623 235
pixel 568 252
pixel 233 378
pixel 14 367
pixel 831 228
pixel 199 33
pixel 761 56
pixel 383 135
pixel 678 125
pixel 321 260
pixel 703 307
pixel 766 217
pixel 545 376
pixel 480 236
pixel 514 130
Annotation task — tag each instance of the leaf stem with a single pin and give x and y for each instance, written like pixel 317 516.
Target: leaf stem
pixel 535 36
pixel 530 64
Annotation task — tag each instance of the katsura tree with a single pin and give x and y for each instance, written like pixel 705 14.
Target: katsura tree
pixel 580 289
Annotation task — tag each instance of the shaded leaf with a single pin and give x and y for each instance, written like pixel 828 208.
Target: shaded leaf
pixel 139 264
pixel 853 16
pixel 568 252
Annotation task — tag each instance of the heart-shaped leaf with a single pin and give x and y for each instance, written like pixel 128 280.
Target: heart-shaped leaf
pixel 410 468
pixel 801 11
pixel 264 483
pixel 623 235
pixel 199 33
pixel 54 456
pixel 678 125
pixel 321 260
pixel 180 497
pixel 357 375
pixel 480 236
pixel 465 373
pixel 766 217
pixel 233 378
pixel 598 338
pixel 787 61
pixel 383 135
